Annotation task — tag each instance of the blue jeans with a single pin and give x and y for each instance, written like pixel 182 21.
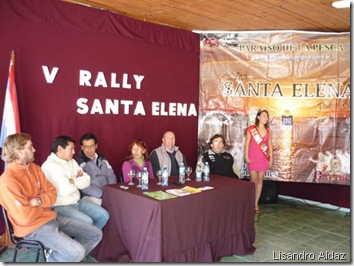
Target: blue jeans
pixel 85 211
pixel 70 240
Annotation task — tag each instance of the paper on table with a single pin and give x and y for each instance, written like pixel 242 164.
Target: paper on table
pixel 159 195
pixel 178 192
pixel 192 189
pixel 187 190
pixel 205 188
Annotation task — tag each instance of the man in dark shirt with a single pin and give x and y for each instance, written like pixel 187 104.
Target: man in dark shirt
pixel 220 161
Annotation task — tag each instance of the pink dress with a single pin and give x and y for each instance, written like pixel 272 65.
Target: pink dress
pixel 258 161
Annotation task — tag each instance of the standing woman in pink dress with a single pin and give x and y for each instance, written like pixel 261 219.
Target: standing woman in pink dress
pixel 259 151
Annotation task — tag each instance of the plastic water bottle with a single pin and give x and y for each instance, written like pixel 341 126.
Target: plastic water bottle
pixel 206 172
pixel 164 176
pixel 198 173
pixel 182 173
pixel 145 179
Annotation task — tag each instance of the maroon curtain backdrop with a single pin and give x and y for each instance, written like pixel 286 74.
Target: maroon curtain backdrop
pixel 69 37
pixel 81 69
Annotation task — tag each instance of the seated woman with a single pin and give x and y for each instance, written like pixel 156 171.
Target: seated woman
pixel 220 161
pixel 137 159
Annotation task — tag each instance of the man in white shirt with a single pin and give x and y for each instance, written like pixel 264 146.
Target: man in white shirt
pixel 67 177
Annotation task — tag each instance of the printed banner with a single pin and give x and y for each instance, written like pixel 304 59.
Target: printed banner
pixel 301 78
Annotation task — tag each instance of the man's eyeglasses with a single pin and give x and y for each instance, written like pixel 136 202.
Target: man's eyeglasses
pixel 89 147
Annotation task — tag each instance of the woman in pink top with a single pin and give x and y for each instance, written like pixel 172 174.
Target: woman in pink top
pixel 259 151
pixel 138 159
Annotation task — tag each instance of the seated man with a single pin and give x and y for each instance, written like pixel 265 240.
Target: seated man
pixel 96 166
pixel 67 177
pixel 220 161
pixel 27 196
pixel 167 154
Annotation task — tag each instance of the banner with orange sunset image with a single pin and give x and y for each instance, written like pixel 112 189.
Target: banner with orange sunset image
pixel 301 78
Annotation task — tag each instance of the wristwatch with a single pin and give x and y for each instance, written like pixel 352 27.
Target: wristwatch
pixel 40 201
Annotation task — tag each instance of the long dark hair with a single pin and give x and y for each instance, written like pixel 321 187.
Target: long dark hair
pixel 258 114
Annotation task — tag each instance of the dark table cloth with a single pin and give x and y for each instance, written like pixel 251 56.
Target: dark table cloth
pixel 201 227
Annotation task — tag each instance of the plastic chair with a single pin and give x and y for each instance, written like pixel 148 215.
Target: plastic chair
pixel 19 242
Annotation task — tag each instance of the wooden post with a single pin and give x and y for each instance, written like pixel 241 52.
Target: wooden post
pixel 3 244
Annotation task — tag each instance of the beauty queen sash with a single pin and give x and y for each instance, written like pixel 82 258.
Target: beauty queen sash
pixel 259 140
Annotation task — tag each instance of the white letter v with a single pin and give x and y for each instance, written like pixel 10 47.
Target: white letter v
pixel 50 76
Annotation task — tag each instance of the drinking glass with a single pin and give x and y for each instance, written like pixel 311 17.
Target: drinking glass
pixel 189 171
pixel 138 176
pixel 159 175
pixel 131 175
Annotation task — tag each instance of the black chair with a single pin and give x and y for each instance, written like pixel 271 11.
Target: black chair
pixel 19 242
